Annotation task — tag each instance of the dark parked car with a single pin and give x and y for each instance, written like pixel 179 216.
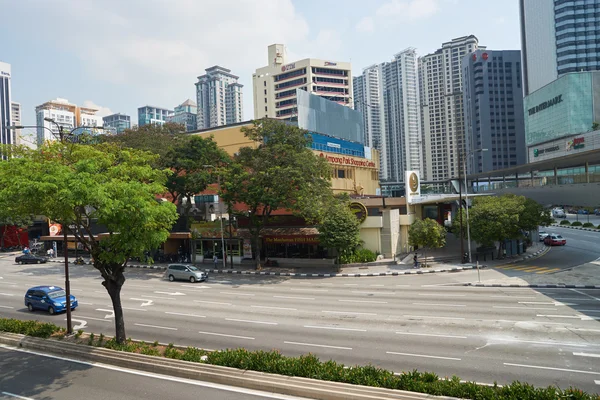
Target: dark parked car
pixel 48 298
pixel 30 259
pixel 582 212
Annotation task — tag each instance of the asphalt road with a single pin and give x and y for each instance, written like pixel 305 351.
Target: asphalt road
pixel 582 247
pixel 401 323
pixel 32 376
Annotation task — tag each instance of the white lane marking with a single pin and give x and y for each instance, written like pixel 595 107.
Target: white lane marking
pixel 529 322
pixel 85 304
pixel 309 290
pixel 212 302
pixel 377 285
pixel 238 294
pixel 362 292
pixel 319 345
pixel 440 305
pixel 76 290
pixel 442 295
pixel 185 315
pixel 170 293
pixel 348 312
pixel 363 301
pixel 10 308
pixel 251 322
pixel 8 283
pixel 225 335
pixel 275 308
pixel 585 294
pixel 423 355
pixel 540 342
pixel 133 309
pixel 597 382
pixel 16 396
pixel 430 334
pixel 6 294
pixel 92 318
pixel 402 285
pixel 157 297
pixel 587 355
pixel 350 284
pixel 580 317
pixel 334 328
pixel 142 286
pixel 111 315
pixel 570 298
pixel 157 327
pixel 513 297
pixel 198 286
pixel 427 316
pixel 525 308
pixel 82 324
pixel 250 392
pixel 592 311
pixel 145 303
pixel 553 369
pixel 293 297
pixel 542 303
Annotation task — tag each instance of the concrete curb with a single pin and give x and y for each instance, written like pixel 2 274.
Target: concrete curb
pixel 579 228
pixel 305 275
pixel 538 253
pixel 288 385
pixel 550 286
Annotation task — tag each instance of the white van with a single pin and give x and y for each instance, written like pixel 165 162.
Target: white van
pixel 559 213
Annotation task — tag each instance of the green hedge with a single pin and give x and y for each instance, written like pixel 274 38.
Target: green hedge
pixel 565 222
pixel 309 366
pixel 588 225
pixel 30 328
pixel 576 223
pixel 358 256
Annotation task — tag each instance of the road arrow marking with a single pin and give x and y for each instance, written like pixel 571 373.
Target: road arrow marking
pixel 171 293
pixel 146 301
pixel 82 323
pixel 111 315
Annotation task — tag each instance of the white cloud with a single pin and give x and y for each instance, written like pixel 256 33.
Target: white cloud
pixel 102 111
pixel 365 25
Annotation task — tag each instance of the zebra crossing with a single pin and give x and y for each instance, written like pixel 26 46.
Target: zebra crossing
pixel 531 269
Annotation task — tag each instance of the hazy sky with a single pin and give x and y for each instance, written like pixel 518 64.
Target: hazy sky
pixel 123 54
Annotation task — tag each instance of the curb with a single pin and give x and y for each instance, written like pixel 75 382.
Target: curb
pixel 538 253
pixel 579 228
pixel 287 385
pixel 554 286
pixel 305 275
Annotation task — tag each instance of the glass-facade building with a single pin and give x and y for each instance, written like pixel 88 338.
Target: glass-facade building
pixel 153 115
pixel 118 122
pixel 6 135
pixel 186 115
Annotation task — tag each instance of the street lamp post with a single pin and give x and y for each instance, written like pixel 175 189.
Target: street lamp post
pixel 220 217
pixel 467 199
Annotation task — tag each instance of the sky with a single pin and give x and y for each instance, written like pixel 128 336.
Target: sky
pixel 118 55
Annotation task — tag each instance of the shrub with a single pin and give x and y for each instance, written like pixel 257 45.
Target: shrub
pixel 576 223
pixel 91 339
pixel 358 256
pixel 30 328
pixel 565 222
pixel 598 227
pixel 588 225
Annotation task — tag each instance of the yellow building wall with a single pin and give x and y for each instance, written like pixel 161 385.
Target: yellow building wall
pixel 361 175
pixel 371 238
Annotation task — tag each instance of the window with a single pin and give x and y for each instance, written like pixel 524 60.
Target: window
pixel 265 83
pixel 341 173
pixel 266 109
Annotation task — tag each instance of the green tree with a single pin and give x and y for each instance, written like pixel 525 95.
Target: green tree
pixel 426 233
pixel 77 185
pixel 157 139
pixel 533 215
pixel 495 219
pixel 281 172
pixel 455 227
pixel 339 229
pixel 595 126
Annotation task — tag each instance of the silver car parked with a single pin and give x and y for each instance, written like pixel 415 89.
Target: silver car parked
pixel 185 272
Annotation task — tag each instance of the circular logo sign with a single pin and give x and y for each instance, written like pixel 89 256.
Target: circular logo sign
pixel 359 210
pixel 474 57
pixel 484 56
pixel 283 68
pixel 413 182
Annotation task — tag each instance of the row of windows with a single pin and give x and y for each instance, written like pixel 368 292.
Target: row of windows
pixel 330 80
pixel 290 74
pixel 573 36
pixel 284 94
pixel 329 71
pixel 295 82
pixel 574 60
pixel 285 103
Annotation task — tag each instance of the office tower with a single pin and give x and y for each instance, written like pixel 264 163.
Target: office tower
pixel 153 115
pixel 219 98
pixel 493 103
pixel 68 116
pixel 6 135
pixel 117 122
pixel 186 114
pixel 274 86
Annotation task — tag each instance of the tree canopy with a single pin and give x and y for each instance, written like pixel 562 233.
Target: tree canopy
pixel 281 172
pixel 339 228
pixel 78 185
pixel 426 233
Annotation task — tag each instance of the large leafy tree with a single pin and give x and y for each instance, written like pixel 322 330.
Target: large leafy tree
pixel 157 139
pixel 77 185
pixel 533 215
pixel 281 172
pixel 426 233
pixel 339 228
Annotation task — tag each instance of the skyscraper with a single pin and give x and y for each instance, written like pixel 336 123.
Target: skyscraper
pixel 153 115
pixel 558 37
pixel 493 103
pixel 219 98
pixel 15 115
pixel 274 86
pixel 118 122
pixel 65 114
pixel 441 96
pixel 6 135
pixel 186 114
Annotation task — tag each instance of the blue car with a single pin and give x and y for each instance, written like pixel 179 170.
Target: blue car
pixel 48 298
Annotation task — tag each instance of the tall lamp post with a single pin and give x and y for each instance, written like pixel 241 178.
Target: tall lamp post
pixel 468 154
pixel 220 217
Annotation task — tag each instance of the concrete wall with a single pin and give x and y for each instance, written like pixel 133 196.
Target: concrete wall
pixel 582 194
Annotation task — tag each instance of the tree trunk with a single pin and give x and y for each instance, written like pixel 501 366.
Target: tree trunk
pixel 256 246
pixel 2 237
pixel 113 287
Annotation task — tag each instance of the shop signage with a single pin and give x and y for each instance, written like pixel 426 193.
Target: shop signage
pixel 55 229
pixel 359 210
pixel 539 152
pixel 413 186
pixel 4 73
pixel 576 144
pixel 351 161
pixel 334 145
pixel 288 67
pixel 546 104
pixel 292 239
pixel 328 63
